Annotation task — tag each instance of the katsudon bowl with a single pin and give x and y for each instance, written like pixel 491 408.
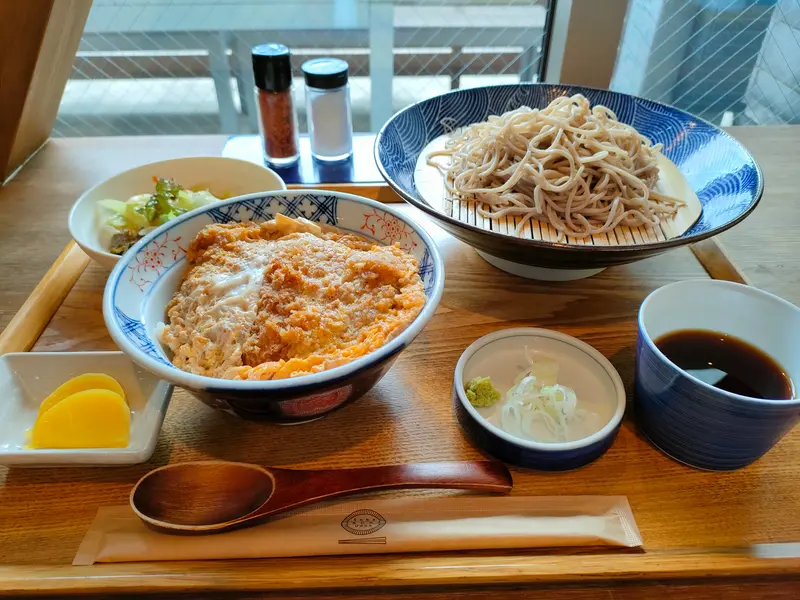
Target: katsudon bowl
pixel 146 278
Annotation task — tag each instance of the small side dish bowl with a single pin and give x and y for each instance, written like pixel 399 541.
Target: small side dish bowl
pixel 27 378
pixel 223 177
pixel 146 278
pixel 501 356
pixel 690 420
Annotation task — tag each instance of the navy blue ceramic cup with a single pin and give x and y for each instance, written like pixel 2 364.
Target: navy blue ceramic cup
pixel 689 419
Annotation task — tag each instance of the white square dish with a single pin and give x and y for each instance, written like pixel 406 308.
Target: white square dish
pixel 27 378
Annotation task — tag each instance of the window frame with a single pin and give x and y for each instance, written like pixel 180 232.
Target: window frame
pixel 582 41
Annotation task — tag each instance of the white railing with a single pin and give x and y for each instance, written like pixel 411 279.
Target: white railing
pixel 382 39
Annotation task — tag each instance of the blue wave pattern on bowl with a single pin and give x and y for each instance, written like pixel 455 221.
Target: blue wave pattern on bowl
pixel 700 426
pixel 722 174
pixel 134 331
pixel 156 257
pixel 312 207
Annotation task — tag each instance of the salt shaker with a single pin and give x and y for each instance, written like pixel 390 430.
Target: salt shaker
pixel 277 121
pixel 330 124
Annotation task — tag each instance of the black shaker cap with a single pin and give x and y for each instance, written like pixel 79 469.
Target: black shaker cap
pixel 272 67
pixel 325 73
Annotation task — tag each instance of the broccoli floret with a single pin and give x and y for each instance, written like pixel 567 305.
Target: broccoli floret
pixel 480 392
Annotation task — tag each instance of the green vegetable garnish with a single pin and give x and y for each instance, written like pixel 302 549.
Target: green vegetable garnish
pixel 163 218
pixel 184 200
pixel 134 215
pixel 113 205
pixel 166 193
pixel 481 393
pixel 151 209
pixel 126 222
pixel 118 222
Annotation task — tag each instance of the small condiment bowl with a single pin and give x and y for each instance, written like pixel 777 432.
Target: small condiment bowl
pixel 223 177
pixel 27 378
pixel 690 420
pixel 501 356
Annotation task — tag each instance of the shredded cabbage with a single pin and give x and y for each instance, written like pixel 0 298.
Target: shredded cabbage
pixel 537 397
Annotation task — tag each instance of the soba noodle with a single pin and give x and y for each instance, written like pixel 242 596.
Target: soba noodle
pixel 571 165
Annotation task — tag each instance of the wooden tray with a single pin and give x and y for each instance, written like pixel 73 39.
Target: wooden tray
pixel 708 533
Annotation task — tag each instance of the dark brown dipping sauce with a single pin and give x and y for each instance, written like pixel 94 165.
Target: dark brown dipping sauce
pixel 727 363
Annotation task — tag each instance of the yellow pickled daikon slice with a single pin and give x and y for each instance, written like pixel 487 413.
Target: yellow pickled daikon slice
pixel 87 419
pixel 87 381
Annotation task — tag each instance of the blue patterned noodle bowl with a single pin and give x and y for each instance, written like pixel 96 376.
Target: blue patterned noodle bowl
pixel 723 174
pixel 146 277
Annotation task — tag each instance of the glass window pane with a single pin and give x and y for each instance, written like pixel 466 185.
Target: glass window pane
pixel 728 61
pixel 148 67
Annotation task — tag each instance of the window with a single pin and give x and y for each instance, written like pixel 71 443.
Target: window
pixel 149 67
pixel 728 61
pixel 183 66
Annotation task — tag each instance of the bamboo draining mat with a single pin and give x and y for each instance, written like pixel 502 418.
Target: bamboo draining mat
pixel 431 187
pixel 467 211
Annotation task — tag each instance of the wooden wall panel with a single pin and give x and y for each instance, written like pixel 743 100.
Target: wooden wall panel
pixel 38 41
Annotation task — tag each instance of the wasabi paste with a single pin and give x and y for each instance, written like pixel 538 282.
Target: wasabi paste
pixel 481 393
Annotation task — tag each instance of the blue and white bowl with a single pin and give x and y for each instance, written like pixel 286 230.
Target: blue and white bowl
pixel 146 277
pixel 501 356
pixel 721 171
pixel 690 420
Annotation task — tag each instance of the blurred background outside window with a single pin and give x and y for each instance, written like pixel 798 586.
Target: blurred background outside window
pixel 183 66
pixel 149 67
pixel 733 62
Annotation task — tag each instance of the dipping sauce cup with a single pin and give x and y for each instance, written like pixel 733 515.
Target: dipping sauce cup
pixel 690 420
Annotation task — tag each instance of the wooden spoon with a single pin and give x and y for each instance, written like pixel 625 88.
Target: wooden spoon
pixel 214 496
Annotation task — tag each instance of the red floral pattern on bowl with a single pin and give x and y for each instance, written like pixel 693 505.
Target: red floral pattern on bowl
pixel 389 229
pixel 153 259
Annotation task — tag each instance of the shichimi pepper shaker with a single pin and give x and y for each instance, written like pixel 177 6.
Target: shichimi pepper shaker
pixel 272 71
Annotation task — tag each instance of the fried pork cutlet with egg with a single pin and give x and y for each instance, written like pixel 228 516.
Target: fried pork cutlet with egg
pixel 287 298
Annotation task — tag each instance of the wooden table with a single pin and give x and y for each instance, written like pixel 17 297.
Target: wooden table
pixel 701 530
pixel 766 245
